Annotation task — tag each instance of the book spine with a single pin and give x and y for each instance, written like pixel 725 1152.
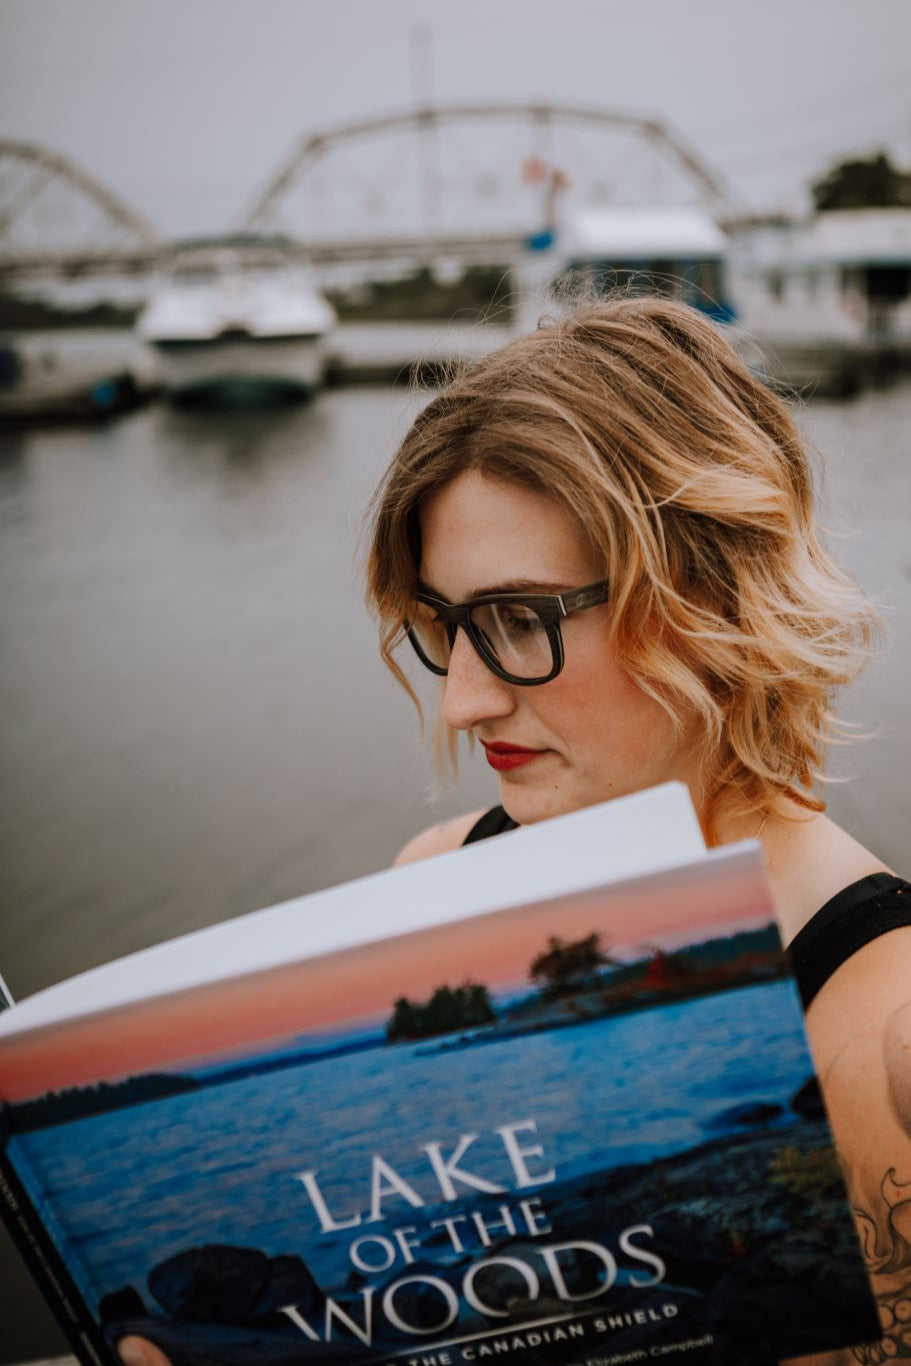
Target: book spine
pixel 48 1267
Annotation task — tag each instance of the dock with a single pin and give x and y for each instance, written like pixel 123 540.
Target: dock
pixel 67 376
pixel 86 377
pixel 397 353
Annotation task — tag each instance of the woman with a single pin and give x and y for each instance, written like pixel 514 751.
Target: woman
pixel 624 468
pixel 602 540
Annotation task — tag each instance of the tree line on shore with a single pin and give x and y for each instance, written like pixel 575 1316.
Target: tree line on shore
pixel 584 970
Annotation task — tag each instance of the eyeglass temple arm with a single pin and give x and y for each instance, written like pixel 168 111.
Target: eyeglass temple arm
pixel 591 596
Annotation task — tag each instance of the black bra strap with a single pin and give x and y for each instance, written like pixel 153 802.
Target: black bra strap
pixel 862 912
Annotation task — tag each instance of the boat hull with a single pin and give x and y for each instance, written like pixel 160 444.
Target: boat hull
pixel 295 364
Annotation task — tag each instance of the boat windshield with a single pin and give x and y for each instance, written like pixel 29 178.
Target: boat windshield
pixel 697 281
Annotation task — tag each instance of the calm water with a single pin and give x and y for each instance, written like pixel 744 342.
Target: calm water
pixel 194 719
pixel 155 1191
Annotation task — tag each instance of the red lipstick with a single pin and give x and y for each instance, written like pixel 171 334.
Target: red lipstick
pixel 502 756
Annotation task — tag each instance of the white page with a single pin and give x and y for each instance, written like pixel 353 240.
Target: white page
pixel 642 833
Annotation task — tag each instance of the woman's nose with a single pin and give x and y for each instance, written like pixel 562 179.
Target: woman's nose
pixel 472 693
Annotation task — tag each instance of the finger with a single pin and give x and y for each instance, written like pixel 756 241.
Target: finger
pixel 140 1352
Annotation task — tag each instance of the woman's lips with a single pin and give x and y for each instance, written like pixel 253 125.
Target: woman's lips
pixel 502 756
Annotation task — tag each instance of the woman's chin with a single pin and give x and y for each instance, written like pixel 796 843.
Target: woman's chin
pixel 526 805
pixel 527 802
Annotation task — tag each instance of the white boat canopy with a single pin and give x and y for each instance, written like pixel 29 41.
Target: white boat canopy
pixel 638 234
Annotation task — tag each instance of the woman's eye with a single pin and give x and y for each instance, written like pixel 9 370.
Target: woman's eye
pixel 521 620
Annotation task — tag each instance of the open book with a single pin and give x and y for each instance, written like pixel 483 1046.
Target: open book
pixel 546 1098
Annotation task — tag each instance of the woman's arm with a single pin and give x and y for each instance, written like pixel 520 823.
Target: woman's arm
pixel 860 1029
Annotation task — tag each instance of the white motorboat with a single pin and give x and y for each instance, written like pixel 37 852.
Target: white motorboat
pixel 238 313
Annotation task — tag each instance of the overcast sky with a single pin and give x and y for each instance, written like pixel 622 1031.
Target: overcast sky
pixel 185 107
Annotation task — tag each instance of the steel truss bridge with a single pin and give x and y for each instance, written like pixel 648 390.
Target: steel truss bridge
pixel 470 182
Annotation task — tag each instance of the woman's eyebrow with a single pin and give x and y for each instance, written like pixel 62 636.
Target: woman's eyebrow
pixel 511 586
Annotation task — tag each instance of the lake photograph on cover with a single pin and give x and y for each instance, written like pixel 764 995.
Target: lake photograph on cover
pixel 558 1132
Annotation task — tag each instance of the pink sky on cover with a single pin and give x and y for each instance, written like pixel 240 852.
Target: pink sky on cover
pixel 362 983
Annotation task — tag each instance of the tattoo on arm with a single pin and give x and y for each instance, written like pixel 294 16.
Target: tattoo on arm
pixel 885 1225
pixel 887 1253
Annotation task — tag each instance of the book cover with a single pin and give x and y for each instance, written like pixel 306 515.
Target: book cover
pixel 585 1129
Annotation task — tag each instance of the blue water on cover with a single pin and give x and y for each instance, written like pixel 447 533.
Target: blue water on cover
pixel 134 1186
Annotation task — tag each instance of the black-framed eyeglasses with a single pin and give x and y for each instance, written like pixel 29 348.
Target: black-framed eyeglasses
pixel 516 634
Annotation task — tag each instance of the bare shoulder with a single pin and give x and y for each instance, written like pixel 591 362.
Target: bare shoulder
pixel 864 993
pixel 810 861
pixel 437 839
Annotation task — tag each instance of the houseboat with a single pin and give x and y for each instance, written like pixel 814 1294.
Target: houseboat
pixel 827 301
pixel 677 252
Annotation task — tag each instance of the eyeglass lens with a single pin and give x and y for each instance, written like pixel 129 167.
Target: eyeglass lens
pixel 513 634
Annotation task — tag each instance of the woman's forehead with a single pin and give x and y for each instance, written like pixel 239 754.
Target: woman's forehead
pixel 482 535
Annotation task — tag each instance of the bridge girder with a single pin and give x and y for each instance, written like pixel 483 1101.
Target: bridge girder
pixel 427 118
pixel 32 172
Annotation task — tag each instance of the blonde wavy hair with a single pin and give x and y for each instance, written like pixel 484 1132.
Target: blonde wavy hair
pixel 695 490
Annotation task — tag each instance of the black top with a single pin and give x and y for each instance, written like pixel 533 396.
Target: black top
pixel 853 917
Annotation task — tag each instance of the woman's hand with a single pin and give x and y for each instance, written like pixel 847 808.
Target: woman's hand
pixel 140 1352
